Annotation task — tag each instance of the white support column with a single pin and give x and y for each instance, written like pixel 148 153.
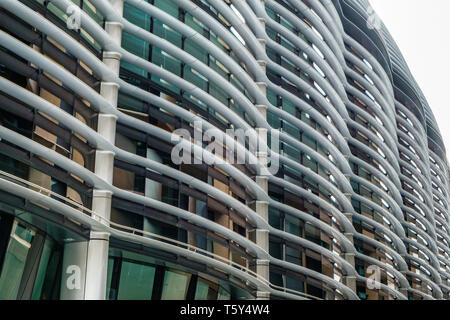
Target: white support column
pixel 350 280
pixel 153 190
pixel 73 277
pixel 97 266
pixel 97 262
pixel 261 236
pixel 404 290
pixel 88 260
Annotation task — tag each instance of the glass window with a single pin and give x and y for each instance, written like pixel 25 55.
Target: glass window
pixel 15 259
pixel 168 7
pixel 293 225
pixel 205 291
pixel 275 218
pixel 136 16
pixel 223 294
pixel 52 280
pixel 137 47
pixel 130 103
pixel 56 11
pixel 273 120
pixel 163 31
pixel 42 270
pixel 195 50
pixel 13 166
pixel 293 255
pixel 110 291
pixel 218 93
pixel 136 281
pixel 175 286
pixel 90 9
pixel 276 279
pixel 294 284
pixel 194 77
pixel 276 250
pixel 201 292
pixel 193 22
pixel 166 61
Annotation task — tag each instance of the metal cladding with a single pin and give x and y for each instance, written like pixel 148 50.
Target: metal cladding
pixel 359 206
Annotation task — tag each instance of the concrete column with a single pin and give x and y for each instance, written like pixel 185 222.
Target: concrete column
pixel 104 166
pixel 97 266
pixel 350 280
pixel 261 236
pixel 153 190
pixel 404 291
pixel 98 246
pixel 73 277
pixel 101 204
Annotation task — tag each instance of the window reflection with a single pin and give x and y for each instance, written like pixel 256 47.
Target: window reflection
pixel 29 262
pixel 175 286
pixel 15 259
pixel 130 279
pixel 136 281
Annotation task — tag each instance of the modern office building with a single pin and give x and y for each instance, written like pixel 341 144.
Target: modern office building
pixel 350 200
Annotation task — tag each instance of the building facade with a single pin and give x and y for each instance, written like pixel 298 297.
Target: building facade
pixel 343 193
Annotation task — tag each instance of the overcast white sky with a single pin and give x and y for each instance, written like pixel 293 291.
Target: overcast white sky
pixel 421 28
